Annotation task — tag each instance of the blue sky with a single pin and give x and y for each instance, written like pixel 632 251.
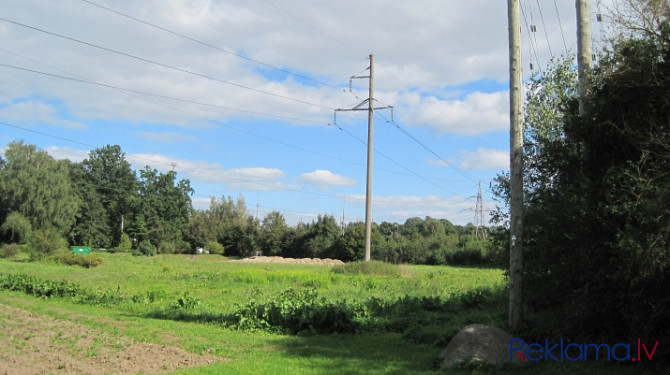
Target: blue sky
pixel 244 105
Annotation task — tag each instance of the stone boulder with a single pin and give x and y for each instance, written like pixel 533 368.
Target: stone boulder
pixel 478 343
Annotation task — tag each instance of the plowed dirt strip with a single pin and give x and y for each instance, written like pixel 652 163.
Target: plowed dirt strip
pixel 38 344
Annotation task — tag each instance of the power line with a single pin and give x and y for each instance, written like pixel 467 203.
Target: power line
pixel 167 66
pixel 81 80
pixel 209 45
pixel 560 25
pixel 532 48
pixel 272 4
pixel 417 141
pixel 544 26
pixel 154 161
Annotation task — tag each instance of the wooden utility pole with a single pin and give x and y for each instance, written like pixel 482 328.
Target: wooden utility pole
pixel 583 63
pixel 368 180
pixel 516 165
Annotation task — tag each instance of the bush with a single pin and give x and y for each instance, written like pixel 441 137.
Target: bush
pixel 297 312
pixel 72 259
pixel 145 248
pixel 183 247
pixel 45 242
pixel 9 250
pixel 18 227
pixel 466 257
pixel 214 247
pixel 166 247
pixel 439 257
pixel 125 244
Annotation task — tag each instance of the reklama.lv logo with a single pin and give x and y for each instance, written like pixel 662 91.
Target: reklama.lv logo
pixel 579 352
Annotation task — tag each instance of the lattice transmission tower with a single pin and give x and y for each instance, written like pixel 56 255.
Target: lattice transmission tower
pixel 480 230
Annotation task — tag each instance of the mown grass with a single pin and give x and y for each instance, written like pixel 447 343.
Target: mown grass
pixel 152 288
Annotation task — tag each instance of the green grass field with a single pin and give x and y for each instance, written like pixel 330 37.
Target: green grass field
pixel 211 287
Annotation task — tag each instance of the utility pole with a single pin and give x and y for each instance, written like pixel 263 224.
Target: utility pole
pixel 516 165
pixel 583 63
pixel 368 180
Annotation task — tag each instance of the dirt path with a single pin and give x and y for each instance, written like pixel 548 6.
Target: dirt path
pixel 38 344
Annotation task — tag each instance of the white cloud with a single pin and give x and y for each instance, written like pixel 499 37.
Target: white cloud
pixel 324 179
pixel 34 112
pixel 71 154
pixel 485 159
pixel 251 178
pixel 475 114
pixel 168 137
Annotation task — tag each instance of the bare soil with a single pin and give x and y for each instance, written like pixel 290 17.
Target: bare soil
pixel 317 261
pixel 38 344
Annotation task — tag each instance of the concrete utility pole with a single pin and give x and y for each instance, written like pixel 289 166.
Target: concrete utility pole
pixel 583 63
pixel 368 176
pixel 516 165
pixel 368 184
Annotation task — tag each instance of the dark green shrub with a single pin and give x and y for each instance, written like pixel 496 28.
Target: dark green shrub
pixel 183 247
pixel 145 248
pixel 466 257
pixel 214 247
pixel 18 227
pixel 166 247
pixel 45 242
pixel 9 250
pixel 439 257
pixel 125 244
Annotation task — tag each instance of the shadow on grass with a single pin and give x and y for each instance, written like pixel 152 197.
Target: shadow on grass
pixel 365 353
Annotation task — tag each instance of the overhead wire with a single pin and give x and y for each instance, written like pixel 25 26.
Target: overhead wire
pixel 532 48
pixel 204 76
pixel 412 173
pixel 167 66
pixel 184 36
pixel 560 25
pixel 423 145
pixel 154 161
pixel 267 65
pixel 544 27
pixel 81 80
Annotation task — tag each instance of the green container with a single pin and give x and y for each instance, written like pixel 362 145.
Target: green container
pixel 81 249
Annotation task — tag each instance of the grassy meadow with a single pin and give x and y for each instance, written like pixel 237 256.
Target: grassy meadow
pixel 189 301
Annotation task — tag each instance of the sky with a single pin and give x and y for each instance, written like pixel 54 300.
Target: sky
pixel 248 98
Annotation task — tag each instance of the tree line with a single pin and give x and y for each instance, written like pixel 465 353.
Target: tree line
pixel 101 202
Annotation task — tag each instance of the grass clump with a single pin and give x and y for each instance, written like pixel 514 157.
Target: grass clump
pixel 372 267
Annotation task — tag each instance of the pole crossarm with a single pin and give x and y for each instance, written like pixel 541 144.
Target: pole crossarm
pixel 361 107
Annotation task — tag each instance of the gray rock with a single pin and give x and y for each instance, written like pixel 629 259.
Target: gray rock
pixel 479 343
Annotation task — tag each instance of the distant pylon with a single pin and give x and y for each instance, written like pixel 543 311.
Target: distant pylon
pixel 480 231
